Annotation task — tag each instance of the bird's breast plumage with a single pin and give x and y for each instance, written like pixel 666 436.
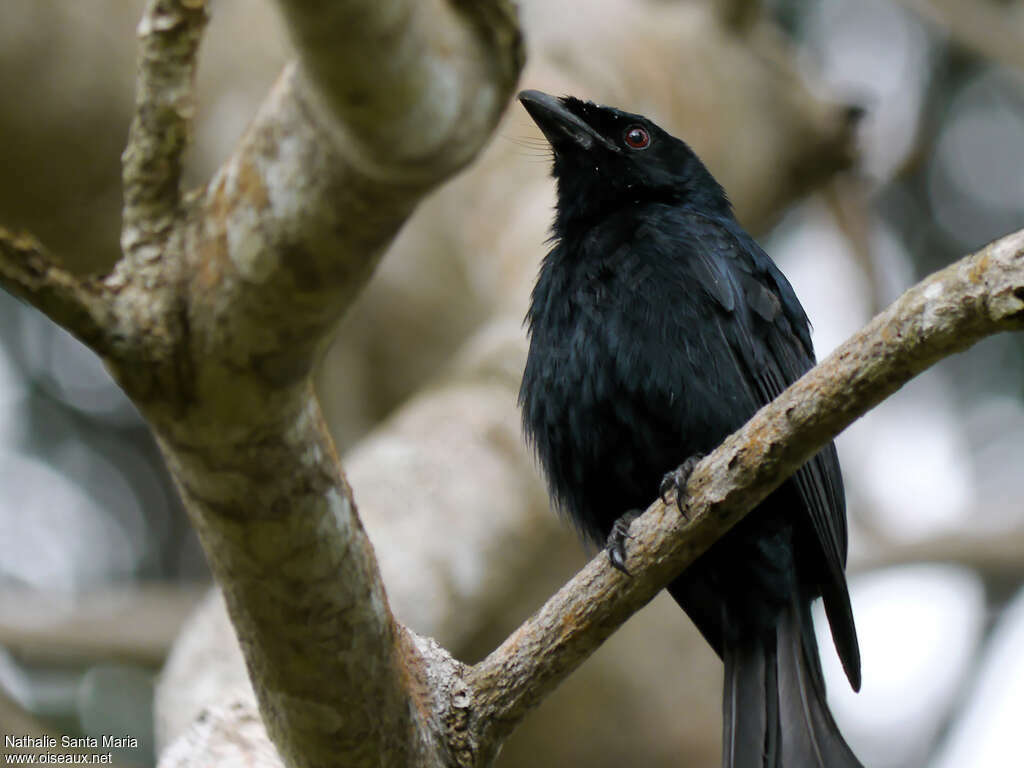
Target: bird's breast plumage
pixel 622 382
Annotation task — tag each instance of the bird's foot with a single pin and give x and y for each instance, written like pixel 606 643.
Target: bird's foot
pixel 674 483
pixel 616 546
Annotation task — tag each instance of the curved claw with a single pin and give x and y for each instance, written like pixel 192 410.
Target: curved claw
pixel 674 482
pixel 616 545
pixel 668 486
pixel 617 557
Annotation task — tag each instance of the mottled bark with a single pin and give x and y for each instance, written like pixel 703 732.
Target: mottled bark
pixel 152 164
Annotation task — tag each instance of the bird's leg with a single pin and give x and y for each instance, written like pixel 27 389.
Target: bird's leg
pixel 674 482
pixel 616 546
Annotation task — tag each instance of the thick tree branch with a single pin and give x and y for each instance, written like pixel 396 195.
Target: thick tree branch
pixel 414 113
pixel 169 34
pixel 302 588
pixel 226 327
pixel 948 312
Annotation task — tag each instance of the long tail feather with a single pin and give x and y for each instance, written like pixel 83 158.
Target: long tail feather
pixel 775 713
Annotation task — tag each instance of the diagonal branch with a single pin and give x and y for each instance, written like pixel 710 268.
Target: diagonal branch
pixel 946 313
pixel 170 32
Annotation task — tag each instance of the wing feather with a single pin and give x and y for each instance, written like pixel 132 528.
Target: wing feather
pixel 769 336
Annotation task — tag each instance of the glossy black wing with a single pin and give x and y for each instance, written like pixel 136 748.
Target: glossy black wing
pixel 768 332
pixel 788 355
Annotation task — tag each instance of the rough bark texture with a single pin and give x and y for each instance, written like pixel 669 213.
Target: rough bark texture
pixel 31 273
pixel 153 161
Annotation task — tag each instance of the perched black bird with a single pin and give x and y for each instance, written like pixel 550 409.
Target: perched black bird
pixel 658 326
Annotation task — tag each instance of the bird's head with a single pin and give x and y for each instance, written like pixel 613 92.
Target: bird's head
pixel 605 159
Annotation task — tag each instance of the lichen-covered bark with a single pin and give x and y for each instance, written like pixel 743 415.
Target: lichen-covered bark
pixel 302 587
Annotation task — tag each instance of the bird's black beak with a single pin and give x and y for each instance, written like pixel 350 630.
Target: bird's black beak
pixel 559 125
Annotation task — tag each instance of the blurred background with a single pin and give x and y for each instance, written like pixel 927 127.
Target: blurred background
pixel 866 142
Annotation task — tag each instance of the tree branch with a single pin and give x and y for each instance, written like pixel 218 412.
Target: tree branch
pixel 415 113
pixel 214 318
pixel 169 32
pixel 302 588
pixel 946 313
pixel 994 556
pixel 226 327
pixel 30 272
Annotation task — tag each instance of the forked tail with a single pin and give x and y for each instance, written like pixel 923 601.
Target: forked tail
pixel 775 713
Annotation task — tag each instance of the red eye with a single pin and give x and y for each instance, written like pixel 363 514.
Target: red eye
pixel 636 137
